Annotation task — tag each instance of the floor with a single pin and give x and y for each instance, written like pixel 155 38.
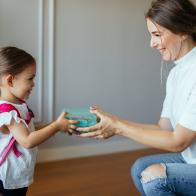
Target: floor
pixel 107 175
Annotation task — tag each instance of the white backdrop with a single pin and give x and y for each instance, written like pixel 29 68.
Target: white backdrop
pixel 88 52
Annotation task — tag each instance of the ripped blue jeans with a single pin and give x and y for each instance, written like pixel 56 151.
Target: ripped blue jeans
pixel 179 178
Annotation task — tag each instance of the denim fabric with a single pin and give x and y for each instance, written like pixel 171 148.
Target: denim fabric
pixel 180 176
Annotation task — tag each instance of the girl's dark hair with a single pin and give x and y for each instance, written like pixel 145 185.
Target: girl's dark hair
pixel 179 16
pixel 14 60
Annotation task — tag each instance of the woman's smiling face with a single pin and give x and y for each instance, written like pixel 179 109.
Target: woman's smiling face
pixel 166 42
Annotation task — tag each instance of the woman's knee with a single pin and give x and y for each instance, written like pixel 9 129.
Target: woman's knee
pixel 153 179
pixel 153 172
pixel 138 166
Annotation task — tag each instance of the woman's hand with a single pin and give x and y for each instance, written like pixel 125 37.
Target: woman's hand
pixel 64 124
pixel 105 128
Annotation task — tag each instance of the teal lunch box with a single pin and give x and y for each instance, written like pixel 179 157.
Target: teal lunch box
pixel 83 115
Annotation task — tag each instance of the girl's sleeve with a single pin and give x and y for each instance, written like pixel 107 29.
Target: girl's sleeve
pixel 6 118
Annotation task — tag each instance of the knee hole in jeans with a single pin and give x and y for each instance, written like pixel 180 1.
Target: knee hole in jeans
pixel 153 172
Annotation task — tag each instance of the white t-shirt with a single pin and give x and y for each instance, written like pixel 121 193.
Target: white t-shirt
pixel 180 102
pixel 16 172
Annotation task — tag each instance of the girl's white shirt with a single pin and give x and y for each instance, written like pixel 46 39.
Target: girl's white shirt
pixel 17 172
pixel 180 102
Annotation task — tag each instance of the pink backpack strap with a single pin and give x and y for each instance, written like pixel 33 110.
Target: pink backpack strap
pixel 5 107
pixel 30 115
pixel 11 146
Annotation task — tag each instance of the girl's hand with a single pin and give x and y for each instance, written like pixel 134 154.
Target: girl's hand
pixel 64 124
pixel 105 128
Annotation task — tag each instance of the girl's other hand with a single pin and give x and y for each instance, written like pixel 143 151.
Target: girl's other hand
pixel 64 124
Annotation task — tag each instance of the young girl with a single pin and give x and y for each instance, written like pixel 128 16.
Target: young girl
pixel 18 138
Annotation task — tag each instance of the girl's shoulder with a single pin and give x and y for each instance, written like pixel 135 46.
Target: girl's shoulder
pixel 16 111
pixel 6 106
pixel 9 111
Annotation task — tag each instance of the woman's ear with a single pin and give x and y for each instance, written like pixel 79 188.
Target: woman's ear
pixel 184 37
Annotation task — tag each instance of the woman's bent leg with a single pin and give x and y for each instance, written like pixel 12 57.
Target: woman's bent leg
pixel 179 179
pixel 142 163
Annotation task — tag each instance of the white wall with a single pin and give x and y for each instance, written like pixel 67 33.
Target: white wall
pixel 88 52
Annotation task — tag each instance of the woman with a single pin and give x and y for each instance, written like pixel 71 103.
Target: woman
pixel 172 26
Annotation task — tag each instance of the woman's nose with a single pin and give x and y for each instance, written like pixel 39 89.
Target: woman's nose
pixel 153 43
pixel 33 84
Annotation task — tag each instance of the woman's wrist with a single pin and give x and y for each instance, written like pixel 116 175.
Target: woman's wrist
pixel 122 127
pixel 119 127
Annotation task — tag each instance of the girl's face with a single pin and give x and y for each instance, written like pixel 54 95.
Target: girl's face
pixel 166 42
pixel 23 83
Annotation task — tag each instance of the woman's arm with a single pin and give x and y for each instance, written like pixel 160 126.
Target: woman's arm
pixel 158 136
pixel 164 124
pixel 174 141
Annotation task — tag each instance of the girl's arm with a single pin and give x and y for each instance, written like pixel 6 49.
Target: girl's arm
pixel 40 126
pixel 31 139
